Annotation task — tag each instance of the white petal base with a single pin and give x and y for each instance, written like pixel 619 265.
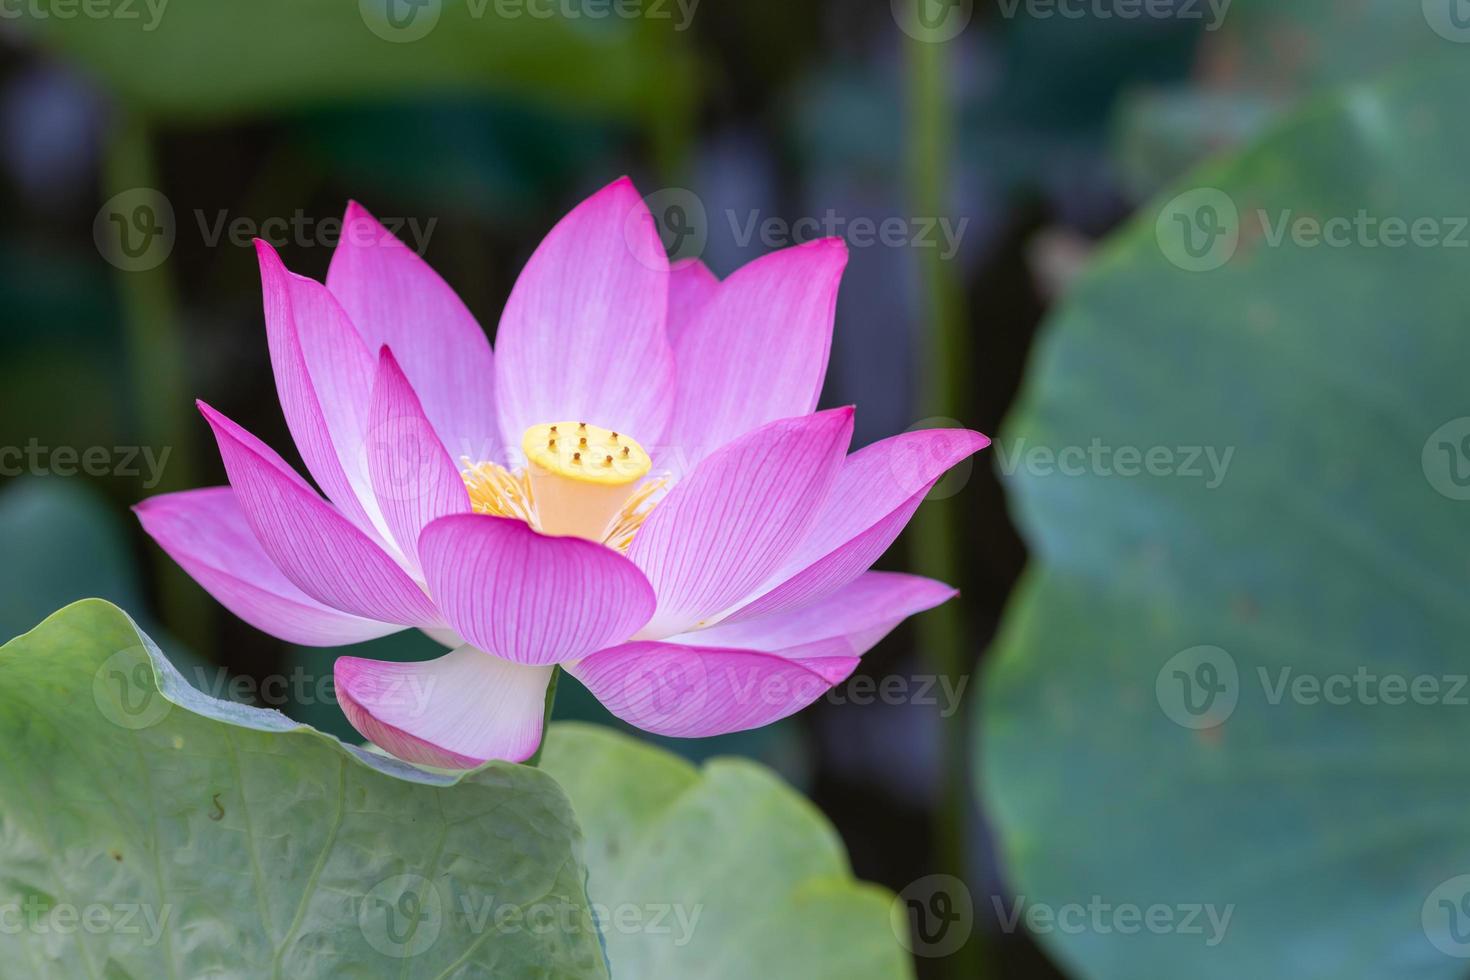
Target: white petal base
pixel 456 712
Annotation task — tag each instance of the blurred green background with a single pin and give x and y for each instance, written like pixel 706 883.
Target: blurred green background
pixel 998 142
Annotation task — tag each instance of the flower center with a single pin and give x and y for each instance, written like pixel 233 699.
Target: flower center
pixel 580 480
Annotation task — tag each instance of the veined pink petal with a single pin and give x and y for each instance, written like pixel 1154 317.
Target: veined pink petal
pixel 527 597
pixel 876 492
pixel 324 377
pixel 723 530
pixel 582 336
pixel 205 531
pixel 692 692
pixel 395 298
pixel 861 613
pixel 691 285
pixel 413 477
pixel 456 712
pixel 314 546
pixel 757 350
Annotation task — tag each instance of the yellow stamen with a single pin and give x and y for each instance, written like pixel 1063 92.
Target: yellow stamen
pixel 604 498
pixel 496 491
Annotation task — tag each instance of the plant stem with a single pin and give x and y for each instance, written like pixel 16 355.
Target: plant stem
pixel 936 531
pixel 535 759
pixel 156 358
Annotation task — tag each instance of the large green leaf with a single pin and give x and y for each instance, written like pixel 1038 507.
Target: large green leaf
pixel 148 831
pixel 1260 59
pixel 75 548
pixel 723 872
pixel 1332 827
pixel 202 59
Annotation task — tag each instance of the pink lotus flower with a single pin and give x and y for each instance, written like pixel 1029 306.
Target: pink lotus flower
pixel 634 486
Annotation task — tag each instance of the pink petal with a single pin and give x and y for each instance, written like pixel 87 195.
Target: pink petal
pixel 531 598
pixel 723 530
pixel 395 298
pixel 317 548
pixel 691 285
pixel 757 350
pixel 877 491
pixel 582 336
pixel 456 712
pixel 692 692
pixel 861 613
pixel 206 532
pixel 324 377
pixel 413 477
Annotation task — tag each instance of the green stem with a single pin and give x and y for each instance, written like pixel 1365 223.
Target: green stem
pixel 535 760
pixel 936 531
pixel 157 364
